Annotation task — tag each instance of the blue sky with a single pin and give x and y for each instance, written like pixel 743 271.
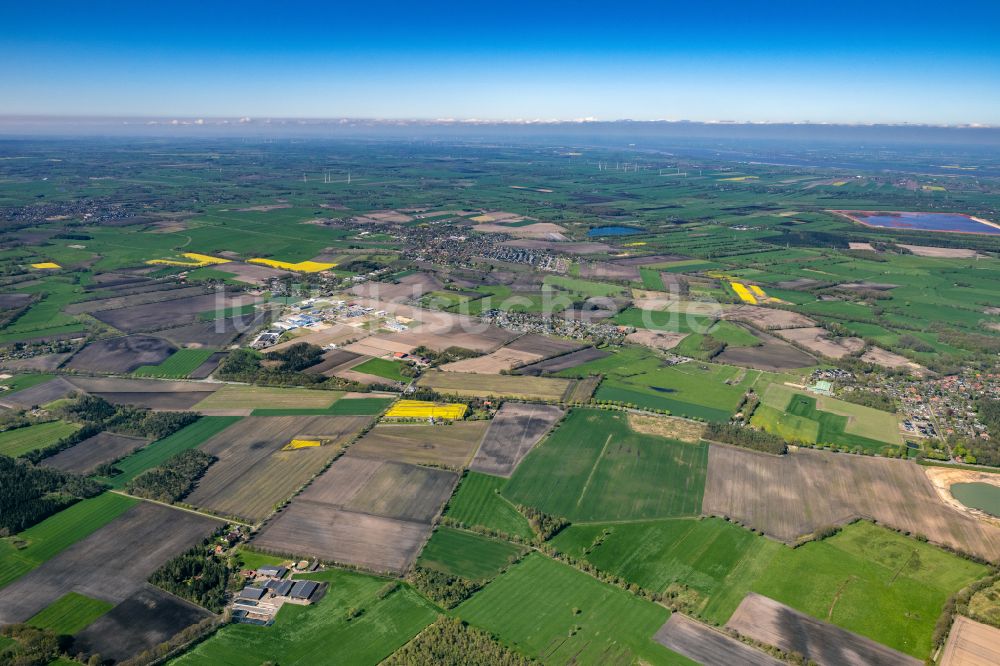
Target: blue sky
pixel 843 61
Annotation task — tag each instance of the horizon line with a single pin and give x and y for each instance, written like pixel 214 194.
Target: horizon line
pixel 196 120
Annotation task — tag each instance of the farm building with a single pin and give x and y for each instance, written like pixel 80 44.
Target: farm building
pixel 252 593
pixel 272 572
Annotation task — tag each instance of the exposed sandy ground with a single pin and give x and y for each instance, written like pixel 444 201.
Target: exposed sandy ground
pixel 337 334
pixel 971 643
pixel 655 339
pixel 251 273
pixel 671 427
pixel 766 318
pixel 497 215
pixel 942 478
pixel 818 340
pixel 377 346
pixel 887 359
pixel 941 252
pixel 491 364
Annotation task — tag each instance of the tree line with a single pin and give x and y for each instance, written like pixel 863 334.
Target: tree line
pixel 29 493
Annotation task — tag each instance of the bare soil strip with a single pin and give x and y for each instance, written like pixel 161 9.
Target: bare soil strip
pixel 706 645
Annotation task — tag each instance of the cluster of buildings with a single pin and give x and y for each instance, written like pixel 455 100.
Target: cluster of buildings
pixel 268 590
pixel 316 313
pixel 598 332
pixel 515 255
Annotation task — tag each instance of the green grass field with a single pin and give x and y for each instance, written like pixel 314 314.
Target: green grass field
pixel 381 367
pixel 594 467
pixel 710 556
pixel 160 450
pixel 343 407
pixel 558 615
pixel 58 532
pixel 322 633
pixel 695 389
pixel 651 279
pixel 251 559
pixel 478 503
pixel 872 581
pixel 70 614
pixel 465 554
pixel 19 441
pixel 180 364
pixel 797 416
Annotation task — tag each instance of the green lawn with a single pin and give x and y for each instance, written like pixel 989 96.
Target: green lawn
pixel 321 633
pixel 19 441
pixel 343 407
pixel 558 615
pixel 710 556
pixel 381 367
pixel 872 581
pixel 594 467
pixel 465 554
pixel 70 613
pixel 162 449
pixel 252 559
pixel 180 364
pixel 58 532
pixel 478 503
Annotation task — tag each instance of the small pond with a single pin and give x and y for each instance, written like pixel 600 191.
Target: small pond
pixel 982 496
pixel 613 231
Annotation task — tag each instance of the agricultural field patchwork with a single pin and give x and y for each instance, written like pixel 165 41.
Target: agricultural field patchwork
pixel 594 467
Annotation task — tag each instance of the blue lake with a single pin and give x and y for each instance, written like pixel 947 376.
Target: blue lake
pixel 948 222
pixel 615 231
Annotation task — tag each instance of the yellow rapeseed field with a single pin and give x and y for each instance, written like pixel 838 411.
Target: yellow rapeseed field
pixel 301 444
pixel 758 292
pixel 743 293
pixel 421 409
pixel 46 265
pixel 301 267
pixel 197 261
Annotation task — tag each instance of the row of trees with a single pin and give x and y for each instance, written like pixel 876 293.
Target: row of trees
pixel 748 438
